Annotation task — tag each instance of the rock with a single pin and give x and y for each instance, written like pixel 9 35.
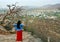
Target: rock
pixel 12 38
pixel 3 31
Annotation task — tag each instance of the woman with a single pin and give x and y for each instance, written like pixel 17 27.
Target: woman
pixel 18 28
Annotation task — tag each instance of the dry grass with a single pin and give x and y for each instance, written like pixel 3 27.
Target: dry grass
pixel 46 28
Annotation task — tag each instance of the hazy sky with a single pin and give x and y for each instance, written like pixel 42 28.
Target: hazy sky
pixel 3 3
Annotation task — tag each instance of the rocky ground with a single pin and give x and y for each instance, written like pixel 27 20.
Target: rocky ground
pixel 27 37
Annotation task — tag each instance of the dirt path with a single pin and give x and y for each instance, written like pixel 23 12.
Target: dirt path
pixel 27 37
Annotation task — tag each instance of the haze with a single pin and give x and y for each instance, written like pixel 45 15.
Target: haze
pixel 37 3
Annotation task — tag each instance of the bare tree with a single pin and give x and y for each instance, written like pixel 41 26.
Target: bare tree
pixel 12 11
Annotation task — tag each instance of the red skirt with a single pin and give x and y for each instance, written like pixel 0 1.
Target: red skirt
pixel 19 35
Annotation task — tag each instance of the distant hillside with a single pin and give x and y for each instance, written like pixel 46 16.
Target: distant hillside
pixel 29 7
pixel 49 6
pixel 55 6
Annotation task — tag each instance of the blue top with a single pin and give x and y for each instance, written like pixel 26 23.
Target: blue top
pixel 18 29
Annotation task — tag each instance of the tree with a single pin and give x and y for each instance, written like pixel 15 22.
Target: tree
pixel 12 11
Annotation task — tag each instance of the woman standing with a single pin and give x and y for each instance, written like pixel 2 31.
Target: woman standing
pixel 18 28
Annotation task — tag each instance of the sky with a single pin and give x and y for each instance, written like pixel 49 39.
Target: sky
pixel 37 3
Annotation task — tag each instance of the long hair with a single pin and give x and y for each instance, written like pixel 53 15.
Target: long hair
pixel 18 24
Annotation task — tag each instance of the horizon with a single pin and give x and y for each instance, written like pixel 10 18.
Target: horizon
pixel 34 3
